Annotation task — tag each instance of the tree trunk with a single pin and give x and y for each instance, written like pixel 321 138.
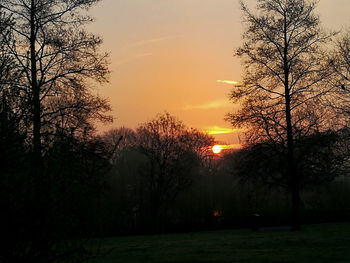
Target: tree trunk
pixel 292 174
pixel 40 247
pixel 36 109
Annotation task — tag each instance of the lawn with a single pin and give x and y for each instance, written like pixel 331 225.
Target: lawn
pixel 316 243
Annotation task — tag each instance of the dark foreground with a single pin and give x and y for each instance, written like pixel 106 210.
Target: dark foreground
pixel 315 243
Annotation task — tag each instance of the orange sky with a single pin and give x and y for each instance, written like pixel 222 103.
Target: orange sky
pixel 168 55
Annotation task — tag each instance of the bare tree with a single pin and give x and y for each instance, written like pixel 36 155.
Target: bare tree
pixel 58 59
pixel 58 64
pixel 174 153
pixel 284 80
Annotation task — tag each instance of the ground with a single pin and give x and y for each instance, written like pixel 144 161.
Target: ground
pixel 315 243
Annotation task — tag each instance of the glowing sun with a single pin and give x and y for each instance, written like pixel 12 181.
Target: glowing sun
pixel 216 149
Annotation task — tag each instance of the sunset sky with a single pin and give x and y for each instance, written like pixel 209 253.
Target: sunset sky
pixel 177 56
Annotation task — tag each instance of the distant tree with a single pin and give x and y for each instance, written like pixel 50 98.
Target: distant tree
pixel 319 159
pixel 174 153
pixel 119 139
pixel 150 168
pixel 285 77
pixel 79 167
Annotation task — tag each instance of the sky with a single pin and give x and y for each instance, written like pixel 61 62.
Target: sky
pixel 177 56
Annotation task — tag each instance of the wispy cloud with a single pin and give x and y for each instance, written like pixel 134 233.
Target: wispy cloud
pixel 215 130
pixel 210 105
pixel 132 58
pixel 231 82
pixel 142 55
pixel 155 40
pixel 232 146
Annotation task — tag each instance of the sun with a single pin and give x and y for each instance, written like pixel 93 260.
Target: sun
pixel 216 149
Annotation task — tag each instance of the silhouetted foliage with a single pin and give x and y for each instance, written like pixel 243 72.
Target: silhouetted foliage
pixel 75 170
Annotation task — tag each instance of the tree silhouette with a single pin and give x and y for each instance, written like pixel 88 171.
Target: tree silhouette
pixel 13 163
pixel 57 64
pixel 174 153
pixel 57 57
pixel 284 80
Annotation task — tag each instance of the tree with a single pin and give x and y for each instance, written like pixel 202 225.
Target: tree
pixel 174 153
pixel 13 164
pixel 57 57
pixel 285 78
pixel 57 64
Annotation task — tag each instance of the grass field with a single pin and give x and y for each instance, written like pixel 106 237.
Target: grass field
pixel 315 243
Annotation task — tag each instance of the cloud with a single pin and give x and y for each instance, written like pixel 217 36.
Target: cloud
pixel 154 40
pixel 232 146
pixel 142 55
pixel 215 130
pixel 231 82
pixel 210 105
pixel 132 58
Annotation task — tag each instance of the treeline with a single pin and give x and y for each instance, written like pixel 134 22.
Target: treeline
pixel 219 191
pixel 163 177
